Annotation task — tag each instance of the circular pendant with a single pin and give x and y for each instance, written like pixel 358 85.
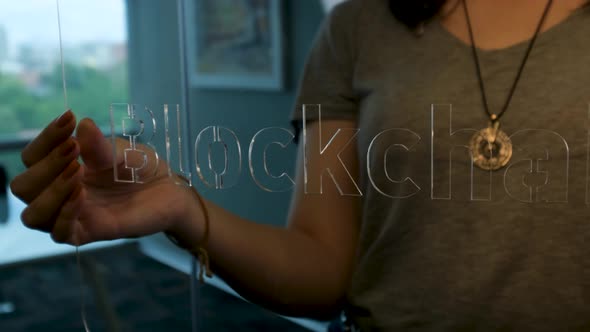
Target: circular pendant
pixel 491 149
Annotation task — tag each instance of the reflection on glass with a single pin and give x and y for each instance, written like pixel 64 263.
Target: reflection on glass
pixel 540 171
pixel 388 143
pixel 267 180
pixel 174 138
pixel 135 159
pixel 451 159
pixel 223 155
pixel 320 154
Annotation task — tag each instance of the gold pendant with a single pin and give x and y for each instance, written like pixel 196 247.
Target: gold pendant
pixel 491 148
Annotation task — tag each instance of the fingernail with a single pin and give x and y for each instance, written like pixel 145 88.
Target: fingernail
pixel 64 119
pixel 70 170
pixel 68 148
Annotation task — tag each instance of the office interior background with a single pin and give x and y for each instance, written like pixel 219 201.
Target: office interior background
pixel 228 63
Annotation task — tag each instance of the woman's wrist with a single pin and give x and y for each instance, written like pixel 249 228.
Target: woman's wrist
pixel 188 227
pixel 191 230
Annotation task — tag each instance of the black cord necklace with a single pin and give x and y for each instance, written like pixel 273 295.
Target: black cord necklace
pixel 491 148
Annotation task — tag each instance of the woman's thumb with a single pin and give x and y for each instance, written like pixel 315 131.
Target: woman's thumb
pixel 95 149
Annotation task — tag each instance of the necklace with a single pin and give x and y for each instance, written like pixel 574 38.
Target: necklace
pixel 491 148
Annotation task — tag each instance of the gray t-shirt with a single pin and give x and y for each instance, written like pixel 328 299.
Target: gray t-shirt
pixel 444 246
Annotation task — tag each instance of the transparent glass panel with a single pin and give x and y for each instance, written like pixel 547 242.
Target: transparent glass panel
pixel 125 69
pixel 204 89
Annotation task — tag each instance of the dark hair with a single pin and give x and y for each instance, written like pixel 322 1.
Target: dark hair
pixel 414 12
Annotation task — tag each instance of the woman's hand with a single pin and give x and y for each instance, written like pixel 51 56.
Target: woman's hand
pixel 81 203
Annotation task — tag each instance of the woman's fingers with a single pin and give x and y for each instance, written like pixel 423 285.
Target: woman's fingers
pixel 64 228
pixel 41 212
pixel 29 184
pixel 99 154
pixel 54 134
pixel 95 149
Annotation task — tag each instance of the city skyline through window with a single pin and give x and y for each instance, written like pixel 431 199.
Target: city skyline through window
pixel 94 35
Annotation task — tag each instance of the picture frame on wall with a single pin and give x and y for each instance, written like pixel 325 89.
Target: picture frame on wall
pixel 235 44
pixel 329 4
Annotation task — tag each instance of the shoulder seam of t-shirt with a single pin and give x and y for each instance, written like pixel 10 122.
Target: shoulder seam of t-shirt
pixel 356 7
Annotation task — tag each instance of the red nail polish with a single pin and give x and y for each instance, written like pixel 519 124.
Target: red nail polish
pixel 64 119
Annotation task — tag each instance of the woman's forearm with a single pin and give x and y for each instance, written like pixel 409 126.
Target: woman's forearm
pixel 282 269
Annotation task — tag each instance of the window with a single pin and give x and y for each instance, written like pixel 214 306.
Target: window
pixel 31 91
pixel 95 54
pixel 31 95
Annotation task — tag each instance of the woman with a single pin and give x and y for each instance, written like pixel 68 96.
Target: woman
pixel 505 247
